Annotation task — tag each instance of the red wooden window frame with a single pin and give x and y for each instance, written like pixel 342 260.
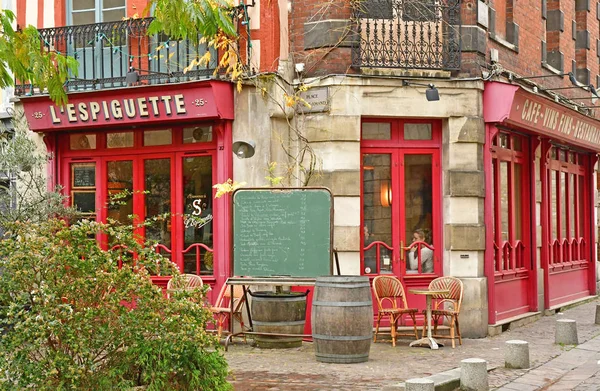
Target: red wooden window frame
pixel 176 151
pixel 392 146
pixel 567 250
pixel 511 256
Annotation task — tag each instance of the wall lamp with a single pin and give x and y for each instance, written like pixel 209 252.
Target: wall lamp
pixel 431 93
pixel 244 149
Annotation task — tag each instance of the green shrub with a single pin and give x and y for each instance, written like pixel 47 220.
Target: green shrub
pixel 71 319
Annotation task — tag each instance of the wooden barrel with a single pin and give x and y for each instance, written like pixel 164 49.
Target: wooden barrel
pixel 342 319
pixel 282 313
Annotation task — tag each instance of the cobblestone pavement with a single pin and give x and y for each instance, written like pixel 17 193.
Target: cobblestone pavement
pixel 297 369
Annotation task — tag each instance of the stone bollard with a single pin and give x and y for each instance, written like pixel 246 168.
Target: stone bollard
pixel 419 384
pixel 597 313
pixel 516 355
pixel 566 332
pixel 473 375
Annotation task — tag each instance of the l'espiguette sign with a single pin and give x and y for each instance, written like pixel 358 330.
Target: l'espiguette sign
pixel 122 107
pixel 554 120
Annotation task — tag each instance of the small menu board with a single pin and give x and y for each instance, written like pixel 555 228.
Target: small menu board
pixel 83 175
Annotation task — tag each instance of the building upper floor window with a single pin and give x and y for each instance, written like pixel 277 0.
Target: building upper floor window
pixel 95 11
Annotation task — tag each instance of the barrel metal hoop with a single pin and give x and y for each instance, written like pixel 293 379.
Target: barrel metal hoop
pixel 343 337
pixel 341 355
pixel 290 323
pixel 278 299
pixel 343 286
pixel 343 304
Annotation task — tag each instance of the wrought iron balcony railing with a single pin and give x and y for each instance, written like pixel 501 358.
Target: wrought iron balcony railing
pixel 418 34
pixel 107 52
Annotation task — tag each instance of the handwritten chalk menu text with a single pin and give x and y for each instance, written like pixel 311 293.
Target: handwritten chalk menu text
pixel 283 231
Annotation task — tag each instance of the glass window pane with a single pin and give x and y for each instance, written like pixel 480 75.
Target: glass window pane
pixel 553 208
pixel 157 184
pixel 199 134
pixel 377 213
pixel 504 200
pixel 516 195
pixel 83 175
pixel 563 205
pixel 83 4
pixel 113 3
pixel 376 131
pixel 120 190
pixel 418 202
pixel 87 17
pixel 82 141
pixel 581 206
pixel 113 15
pixel 119 140
pixel 198 214
pixel 157 137
pixel 571 202
pixel 417 131
pixel 517 143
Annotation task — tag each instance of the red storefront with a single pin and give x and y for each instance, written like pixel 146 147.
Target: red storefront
pixel 164 147
pixel 540 156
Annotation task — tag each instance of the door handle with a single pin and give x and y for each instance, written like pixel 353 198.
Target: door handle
pixel 401 251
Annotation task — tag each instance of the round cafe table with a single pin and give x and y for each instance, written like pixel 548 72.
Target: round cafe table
pixel 428 341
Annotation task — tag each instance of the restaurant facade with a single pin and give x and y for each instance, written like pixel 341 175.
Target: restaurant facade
pixel 160 149
pixel 493 183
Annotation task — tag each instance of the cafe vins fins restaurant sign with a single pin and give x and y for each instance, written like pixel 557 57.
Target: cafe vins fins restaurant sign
pixel 120 109
pixel 554 120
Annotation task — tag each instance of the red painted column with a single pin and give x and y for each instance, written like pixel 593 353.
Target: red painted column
pixel 488 266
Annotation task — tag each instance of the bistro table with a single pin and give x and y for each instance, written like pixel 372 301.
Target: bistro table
pixel 428 341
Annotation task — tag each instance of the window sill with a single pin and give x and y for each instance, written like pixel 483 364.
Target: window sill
pixel 504 43
pixel 551 69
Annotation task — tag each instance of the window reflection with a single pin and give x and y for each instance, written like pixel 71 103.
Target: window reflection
pixel 418 204
pixel 157 185
pixel 120 191
pixel 377 213
pixel 198 214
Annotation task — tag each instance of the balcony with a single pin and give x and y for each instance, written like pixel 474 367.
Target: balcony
pixel 118 54
pixel 411 34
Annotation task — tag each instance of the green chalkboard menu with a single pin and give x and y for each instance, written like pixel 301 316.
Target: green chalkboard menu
pixel 282 232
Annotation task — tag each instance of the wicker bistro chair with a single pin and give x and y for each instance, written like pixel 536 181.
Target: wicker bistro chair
pixel 446 306
pixel 187 282
pixel 222 308
pixel 391 302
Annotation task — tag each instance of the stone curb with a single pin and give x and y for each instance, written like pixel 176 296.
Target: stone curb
pixel 444 381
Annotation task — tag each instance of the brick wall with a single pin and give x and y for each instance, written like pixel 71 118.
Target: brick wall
pixel 328 59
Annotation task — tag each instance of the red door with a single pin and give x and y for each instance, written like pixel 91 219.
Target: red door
pixel 401 202
pixel 514 293
pixel 566 247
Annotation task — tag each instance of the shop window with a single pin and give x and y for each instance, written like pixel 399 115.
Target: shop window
pixel 157 174
pixel 377 213
pixel 417 131
pixel 83 188
pixel 376 131
pixel 198 215
pixel 119 140
pixel 120 191
pixel 509 197
pixel 157 137
pixel 82 141
pixel 199 134
pixel 566 206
